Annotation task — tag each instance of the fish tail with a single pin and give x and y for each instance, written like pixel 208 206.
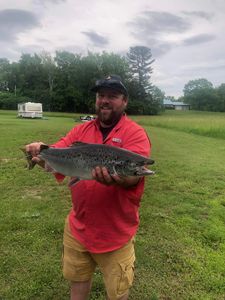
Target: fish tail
pixel 43 146
pixel 28 156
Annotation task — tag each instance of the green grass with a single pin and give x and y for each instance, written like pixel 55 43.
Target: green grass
pixel 209 124
pixel 180 245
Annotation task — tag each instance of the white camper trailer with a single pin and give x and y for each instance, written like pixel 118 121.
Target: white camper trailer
pixel 30 110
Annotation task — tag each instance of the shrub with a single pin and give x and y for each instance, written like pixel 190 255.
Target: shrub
pixel 10 101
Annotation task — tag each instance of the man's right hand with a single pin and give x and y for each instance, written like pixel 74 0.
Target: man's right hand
pixel 34 150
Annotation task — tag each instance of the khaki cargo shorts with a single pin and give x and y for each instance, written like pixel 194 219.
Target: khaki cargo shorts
pixel 116 266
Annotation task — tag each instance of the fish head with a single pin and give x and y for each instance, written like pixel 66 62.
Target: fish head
pixel 143 171
pixel 139 168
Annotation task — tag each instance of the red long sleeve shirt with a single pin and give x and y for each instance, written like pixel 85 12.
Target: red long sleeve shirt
pixel 103 218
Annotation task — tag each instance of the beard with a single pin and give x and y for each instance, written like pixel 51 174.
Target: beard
pixel 107 116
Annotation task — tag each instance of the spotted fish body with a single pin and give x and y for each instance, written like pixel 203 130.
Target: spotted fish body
pixel 80 159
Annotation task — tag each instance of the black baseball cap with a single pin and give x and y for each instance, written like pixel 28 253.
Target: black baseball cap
pixel 113 82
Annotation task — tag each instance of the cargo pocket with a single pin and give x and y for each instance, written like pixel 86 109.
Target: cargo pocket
pixel 126 275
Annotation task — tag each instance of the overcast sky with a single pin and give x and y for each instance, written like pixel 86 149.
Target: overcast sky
pixel 187 37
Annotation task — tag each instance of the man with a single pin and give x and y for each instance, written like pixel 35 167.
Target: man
pixel 103 221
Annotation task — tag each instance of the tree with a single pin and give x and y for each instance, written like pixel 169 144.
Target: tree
pixel 142 93
pixel 220 92
pixel 4 73
pixel 63 82
pixel 200 94
pixel 31 79
pixel 13 77
pixel 66 96
pixel 114 64
pixel 140 60
pixel 154 103
pixel 49 72
pixel 196 85
pixel 171 98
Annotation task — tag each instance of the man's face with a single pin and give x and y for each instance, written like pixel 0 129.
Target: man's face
pixel 110 105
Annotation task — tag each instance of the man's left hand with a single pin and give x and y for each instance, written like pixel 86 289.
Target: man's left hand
pixel 102 175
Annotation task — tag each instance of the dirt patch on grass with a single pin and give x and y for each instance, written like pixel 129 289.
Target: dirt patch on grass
pixel 32 193
pixel 6 160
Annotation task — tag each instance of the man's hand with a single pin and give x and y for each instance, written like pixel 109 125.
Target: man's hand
pixel 102 175
pixel 34 150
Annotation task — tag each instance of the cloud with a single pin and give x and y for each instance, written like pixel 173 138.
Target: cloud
pixel 9 52
pixel 158 48
pixel 15 21
pixel 204 66
pixel 161 48
pixel 72 48
pixel 200 14
pixel 198 39
pixel 97 39
pixel 43 2
pixel 150 26
pixel 154 23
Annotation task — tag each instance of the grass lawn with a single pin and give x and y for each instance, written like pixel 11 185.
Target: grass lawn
pixel 180 245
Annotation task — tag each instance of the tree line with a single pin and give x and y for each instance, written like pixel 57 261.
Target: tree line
pixel 201 95
pixel 63 82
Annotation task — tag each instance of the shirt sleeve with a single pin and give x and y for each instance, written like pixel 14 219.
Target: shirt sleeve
pixel 137 141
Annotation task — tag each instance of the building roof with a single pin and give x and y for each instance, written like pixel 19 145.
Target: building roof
pixel 168 102
pixel 175 103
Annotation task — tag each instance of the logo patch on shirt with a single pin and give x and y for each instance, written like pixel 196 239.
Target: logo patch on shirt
pixel 117 140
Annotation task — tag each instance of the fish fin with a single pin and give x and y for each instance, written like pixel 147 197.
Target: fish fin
pixel 48 168
pixel 73 181
pixel 28 156
pixel 78 144
pixel 43 146
pixel 114 170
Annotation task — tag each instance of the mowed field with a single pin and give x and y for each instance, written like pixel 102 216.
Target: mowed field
pixel 180 245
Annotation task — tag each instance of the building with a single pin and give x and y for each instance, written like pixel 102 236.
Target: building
pixel 30 110
pixel 168 104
